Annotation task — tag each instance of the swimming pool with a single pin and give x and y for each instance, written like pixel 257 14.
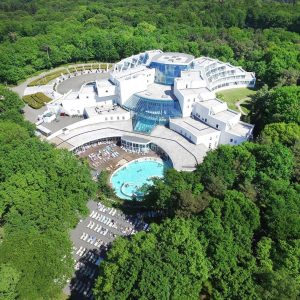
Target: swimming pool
pixel 127 180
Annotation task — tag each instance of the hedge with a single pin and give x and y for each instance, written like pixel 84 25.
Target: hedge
pixel 37 100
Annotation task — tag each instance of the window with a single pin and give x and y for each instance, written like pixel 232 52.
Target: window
pixel 209 146
pixel 231 140
pixel 123 118
pixel 205 120
pixel 111 118
pixel 105 118
pixel 217 126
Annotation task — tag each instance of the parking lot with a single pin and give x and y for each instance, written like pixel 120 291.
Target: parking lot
pixel 91 239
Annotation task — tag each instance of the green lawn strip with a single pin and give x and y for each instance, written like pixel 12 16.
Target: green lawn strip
pixel 233 95
pixel 49 77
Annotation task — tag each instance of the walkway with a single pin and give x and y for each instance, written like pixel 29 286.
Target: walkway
pixel 238 105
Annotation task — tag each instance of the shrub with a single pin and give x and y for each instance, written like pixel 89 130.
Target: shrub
pixel 37 100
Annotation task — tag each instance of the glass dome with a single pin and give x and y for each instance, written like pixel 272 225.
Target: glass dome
pixel 147 113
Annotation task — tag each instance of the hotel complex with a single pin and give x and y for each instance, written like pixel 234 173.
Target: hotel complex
pixel 157 95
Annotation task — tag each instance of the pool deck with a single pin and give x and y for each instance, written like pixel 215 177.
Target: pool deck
pixel 114 162
pixel 184 155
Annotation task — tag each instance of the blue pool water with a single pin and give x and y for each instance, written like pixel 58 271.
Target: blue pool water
pixel 127 180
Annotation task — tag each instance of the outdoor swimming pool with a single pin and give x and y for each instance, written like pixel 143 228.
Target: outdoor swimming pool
pixel 127 180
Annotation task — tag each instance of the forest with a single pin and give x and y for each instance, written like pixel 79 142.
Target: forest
pixel 232 227
pixel 261 35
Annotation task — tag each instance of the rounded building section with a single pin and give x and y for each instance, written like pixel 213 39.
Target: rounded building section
pixel 168 66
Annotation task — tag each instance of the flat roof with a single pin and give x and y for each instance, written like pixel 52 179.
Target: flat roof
pixel 241 128
pixel 104 83
pixel 157 92
pixel 204 92
pixel 139 70
pixel 173 58
pixel 183 154
pixel 105 110
pixel 195 127
pixel 225 115
pixel 135 139
pixel 211 102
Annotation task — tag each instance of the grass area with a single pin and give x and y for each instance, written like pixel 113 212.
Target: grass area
pixel 46 79
pixel 234 95
pixel 63 296
pixel 1 234
pixel 37 100
pixel 49 77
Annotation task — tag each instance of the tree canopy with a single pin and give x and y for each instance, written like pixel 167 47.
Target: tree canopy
pixel 37 35
pixel 231 229
pixel 43 193
pixel 244 203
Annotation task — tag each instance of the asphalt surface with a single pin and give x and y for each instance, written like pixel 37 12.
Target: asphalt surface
pixel 75 83
pixel 90 245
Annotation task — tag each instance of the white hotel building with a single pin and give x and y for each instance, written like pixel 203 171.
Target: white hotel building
pixel 175 90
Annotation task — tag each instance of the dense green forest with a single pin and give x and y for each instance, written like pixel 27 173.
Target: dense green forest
pixel 43 193
pixel 232 229
pixel 262 36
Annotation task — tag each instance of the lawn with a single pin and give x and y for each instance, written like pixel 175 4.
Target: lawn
pixel 234 95
pixel 50 76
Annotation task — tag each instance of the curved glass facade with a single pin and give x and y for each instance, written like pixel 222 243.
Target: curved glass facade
pixel 147 113
pixel 165 73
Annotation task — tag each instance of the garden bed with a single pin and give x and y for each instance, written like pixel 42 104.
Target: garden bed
pixel 37 100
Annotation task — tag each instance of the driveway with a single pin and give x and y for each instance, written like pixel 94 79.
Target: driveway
pixel 76 82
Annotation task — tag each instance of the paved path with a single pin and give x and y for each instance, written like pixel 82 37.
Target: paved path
pixel 238 105
pixel 19 89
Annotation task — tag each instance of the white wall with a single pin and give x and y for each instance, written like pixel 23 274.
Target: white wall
pixel 203 113
pixel 210 140
pixel 186 106
pixel 175 127
pixel 226 138
pixel 231 85
pixel 131 84
pixel 76 106
pixel 106 90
